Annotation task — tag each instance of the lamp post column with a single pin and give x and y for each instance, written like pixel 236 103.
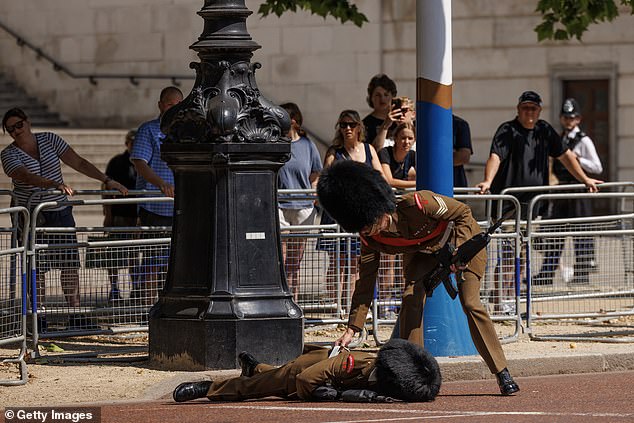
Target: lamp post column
pixel 226 289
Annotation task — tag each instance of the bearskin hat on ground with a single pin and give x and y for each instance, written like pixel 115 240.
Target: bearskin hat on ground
pixel 354 194
pixel 407 372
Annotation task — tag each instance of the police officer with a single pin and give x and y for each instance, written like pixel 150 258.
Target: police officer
pixel 585 153
pixel 400 370
pixel 418 225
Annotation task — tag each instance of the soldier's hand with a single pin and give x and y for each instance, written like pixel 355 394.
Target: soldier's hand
pixel 325 393
pixel 457 267
pixel 345 339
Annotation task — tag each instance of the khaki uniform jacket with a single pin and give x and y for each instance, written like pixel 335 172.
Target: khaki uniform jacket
pixel 300 377
pixel 347 370
pixel 418 226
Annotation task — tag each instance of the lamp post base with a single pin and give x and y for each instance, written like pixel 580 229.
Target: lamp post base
pixel 194 345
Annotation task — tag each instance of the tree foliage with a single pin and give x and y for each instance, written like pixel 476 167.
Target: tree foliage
pixel 561 19
pixel 339 9
pixel 564 19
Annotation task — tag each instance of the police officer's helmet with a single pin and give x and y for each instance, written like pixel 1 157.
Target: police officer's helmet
pixel 570 108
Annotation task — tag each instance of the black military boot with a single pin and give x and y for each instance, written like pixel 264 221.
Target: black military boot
pixel 247 363
pixel 506 383
pixel 191 390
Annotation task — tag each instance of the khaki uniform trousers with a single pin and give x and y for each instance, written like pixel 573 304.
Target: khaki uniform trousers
pixel 268 380
pixel 481 328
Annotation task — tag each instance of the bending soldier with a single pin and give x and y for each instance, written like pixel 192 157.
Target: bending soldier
pixel 360 200
pixel 400 370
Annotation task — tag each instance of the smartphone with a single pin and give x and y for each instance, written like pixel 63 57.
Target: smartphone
pixel 397 103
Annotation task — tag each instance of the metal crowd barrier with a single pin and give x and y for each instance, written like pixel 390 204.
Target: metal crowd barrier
pixel 581 273
pixel 130 257
pixel 94 261
pixel 571 188
pixel 13 292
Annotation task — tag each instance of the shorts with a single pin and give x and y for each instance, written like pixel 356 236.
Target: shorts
pixel 294 217
pixel 147 218
pixel 155 255
pixel 55 258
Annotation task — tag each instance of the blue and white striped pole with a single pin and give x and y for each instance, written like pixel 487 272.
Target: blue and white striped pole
pixel 445 325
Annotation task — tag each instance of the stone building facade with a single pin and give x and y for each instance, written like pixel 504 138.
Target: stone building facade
pixel 325 66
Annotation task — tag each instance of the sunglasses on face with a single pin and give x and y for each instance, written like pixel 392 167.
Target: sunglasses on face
pixel 18 125
pixel 351 125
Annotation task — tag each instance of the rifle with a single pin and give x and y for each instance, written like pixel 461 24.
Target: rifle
pixel 460 256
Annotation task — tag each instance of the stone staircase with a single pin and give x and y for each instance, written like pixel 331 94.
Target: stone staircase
pixel 97 146
pixel 11 95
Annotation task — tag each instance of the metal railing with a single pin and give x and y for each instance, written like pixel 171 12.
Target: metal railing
pixel 581 272
pixel 13 293
pixel 91 77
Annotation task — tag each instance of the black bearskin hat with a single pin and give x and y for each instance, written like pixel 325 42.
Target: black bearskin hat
pixel 354 194
pixel 407 372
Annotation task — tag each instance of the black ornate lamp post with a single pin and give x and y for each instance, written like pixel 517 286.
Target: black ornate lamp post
pixel 225 290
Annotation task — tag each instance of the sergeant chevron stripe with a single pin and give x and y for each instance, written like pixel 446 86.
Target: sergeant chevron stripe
pixel 443 206
pixel 365 258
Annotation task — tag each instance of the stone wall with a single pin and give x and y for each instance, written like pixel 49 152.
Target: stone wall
pixel 320 64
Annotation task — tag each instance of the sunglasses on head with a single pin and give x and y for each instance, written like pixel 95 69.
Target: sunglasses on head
pixel 18 125
pixel 351 125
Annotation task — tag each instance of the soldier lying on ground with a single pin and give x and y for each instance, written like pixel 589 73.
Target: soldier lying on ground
pixel 417 225
pixel 401 370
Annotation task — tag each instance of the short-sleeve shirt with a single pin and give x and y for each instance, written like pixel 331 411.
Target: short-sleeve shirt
pixel 461 139
pixel 147 147
pixel 524 156
pixel 295 174
pixel 399 169
pixel 51 146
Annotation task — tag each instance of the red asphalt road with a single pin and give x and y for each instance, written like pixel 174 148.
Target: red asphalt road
pixel 596 397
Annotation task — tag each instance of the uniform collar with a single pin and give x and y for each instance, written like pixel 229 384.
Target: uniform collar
pixel 392 229
pixel 573 133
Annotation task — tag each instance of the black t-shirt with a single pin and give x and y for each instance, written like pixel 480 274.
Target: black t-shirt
pixel 524 156
pixel 461 139
pixel 372 125
pixel 121 169
pixel 399 169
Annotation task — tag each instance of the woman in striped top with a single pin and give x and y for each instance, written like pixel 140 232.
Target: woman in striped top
pixel 32 161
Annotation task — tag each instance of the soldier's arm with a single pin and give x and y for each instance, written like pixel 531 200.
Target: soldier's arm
pixel 364 287
pixel 320 374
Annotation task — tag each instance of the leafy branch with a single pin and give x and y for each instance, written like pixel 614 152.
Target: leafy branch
pixel 564 19
pixel 339 9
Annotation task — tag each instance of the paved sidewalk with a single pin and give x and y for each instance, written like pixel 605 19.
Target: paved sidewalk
pixel 108 377
pixel 525 358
